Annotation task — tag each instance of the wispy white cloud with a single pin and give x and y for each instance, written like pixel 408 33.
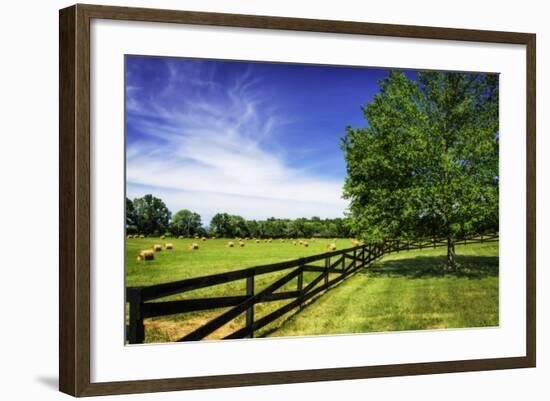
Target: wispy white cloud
pixel 210 148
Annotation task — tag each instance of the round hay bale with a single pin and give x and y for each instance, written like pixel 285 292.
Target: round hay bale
pixel 230 244
pixel 169 245
pixel 157 247
pixel 331 247
pixel 203 239
pixel 194 246
pixel 129 236
pixel 141 236
pixel 146 254
pixel 241 244
pixel 294 243
pixel 257 241
pixel 180 237
pixel 306 244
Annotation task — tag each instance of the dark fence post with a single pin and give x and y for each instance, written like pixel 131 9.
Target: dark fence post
pixel 250 311
pixel 327 267
pixel 136 330
pixel 354 260
pixel 300 285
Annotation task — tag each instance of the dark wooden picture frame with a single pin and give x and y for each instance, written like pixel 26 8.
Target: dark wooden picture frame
pixel 74 202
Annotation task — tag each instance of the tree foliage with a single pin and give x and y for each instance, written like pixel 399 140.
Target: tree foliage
pixel 131 227
pixel 151 216
pixel 186 223
pixel 226 225
pixel 427 163
pixel 220 225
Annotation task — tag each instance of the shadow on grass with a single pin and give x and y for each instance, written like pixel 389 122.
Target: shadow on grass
pixel 471 267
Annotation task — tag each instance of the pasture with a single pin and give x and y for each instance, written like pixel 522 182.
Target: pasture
pixel 408 291
pixel 213 256
pixel 403 291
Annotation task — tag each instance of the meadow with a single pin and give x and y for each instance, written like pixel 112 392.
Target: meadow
pixel 213 256
pixel 402 291
pixel 408 291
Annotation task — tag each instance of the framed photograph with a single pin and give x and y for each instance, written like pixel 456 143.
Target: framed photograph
pixel 250 200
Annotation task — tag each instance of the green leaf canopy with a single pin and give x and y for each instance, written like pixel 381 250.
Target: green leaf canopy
pixel 427 163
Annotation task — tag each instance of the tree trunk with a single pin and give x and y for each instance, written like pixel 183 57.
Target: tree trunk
pixel 451 256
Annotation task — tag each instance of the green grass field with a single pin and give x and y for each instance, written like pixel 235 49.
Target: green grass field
pixel 213 256
pixel 404 291
pixel 408 291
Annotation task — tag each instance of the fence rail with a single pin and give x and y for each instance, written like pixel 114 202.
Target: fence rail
pixel 343 263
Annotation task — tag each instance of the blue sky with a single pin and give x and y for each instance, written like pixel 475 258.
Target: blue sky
pixel 255 139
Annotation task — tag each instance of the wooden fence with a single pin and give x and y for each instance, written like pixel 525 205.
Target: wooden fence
pixel 338 264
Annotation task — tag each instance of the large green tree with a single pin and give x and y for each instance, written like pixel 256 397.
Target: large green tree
pixel 427 162
pixel 151 215
pixel 186 222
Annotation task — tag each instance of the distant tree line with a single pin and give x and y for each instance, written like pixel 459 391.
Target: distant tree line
pixel 150 216
pixel 226 225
